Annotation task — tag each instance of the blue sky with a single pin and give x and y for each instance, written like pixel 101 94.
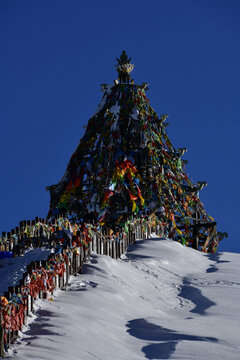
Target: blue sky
pixel 54 56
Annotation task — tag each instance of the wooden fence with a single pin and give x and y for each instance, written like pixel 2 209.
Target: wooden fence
pixel 194 232
pixel 42 277
pixel 16 240
pixel 39 232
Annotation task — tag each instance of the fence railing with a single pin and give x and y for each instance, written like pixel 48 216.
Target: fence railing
pixel 199 235
pixel 43 277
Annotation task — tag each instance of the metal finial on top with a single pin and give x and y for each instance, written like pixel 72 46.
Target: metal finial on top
pixel 124 68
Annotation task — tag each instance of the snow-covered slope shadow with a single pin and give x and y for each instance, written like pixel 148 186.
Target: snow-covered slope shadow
pixel 189 292
pixel 143 330
pixel 217 258
pixel 41 326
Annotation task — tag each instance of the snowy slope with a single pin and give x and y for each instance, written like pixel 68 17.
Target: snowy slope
pixel 161 301
pixel 12 269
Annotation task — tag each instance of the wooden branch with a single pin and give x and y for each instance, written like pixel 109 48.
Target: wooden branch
pixel 209 238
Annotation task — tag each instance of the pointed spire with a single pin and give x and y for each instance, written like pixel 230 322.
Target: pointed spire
pixel 124 67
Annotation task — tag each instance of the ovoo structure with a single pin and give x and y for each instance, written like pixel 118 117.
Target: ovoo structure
pixel 125 165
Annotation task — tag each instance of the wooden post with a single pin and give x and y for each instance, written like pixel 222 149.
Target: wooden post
pixel 91 244
pixel 87 253
pixel 124 243
pixel 23 282
pixel 131 236
pixel 104 246
pixel 74 264
pixel 111 248
pixel 65 274
pixel 81 259
pixel 120 247
pixel 44 263
pixel 60 282
pixel 108 247
pixel 4 234
pixel 128 236
pixel 37 266
pixel 33 222
pixel 114 249
pixel 56 278
pixel 34 265
pixel 70 265
pixel 1 336
pixel 97 245
pixel 78 262
pixel 195 231
pixel 30 298
pixel 82 255
pixel 101 245
pixel 94 243
pixel 117 249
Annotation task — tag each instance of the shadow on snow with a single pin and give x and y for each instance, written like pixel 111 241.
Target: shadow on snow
pixel 201 302
pixel 167 339
pixel 215 257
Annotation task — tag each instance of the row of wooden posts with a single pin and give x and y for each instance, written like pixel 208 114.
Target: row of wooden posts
pixel 100 244
pixel 17 240
pixel 12 241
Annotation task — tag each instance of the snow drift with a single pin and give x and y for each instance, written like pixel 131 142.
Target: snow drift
pixel 160 301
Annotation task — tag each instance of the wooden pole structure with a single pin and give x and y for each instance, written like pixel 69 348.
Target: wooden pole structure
pixel 1 336
pixel 195 231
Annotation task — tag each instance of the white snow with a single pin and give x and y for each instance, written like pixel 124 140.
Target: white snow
pixel 159 301
pixel 12 269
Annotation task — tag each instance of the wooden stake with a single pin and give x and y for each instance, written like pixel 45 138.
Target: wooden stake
pixel 1 336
